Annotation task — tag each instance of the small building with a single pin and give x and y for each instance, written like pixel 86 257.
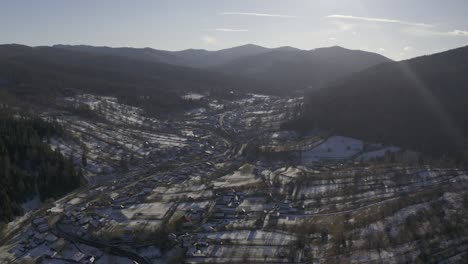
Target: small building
pixel 43 228
pixel 78 257
pixel 196 253
pixel 38 221
pixel 51 238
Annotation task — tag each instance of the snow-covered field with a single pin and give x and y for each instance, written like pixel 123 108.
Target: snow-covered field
pixel 377 153
pixel 335 148
pixel 224 205
pixel 193 96
pixel 245 236
pixel 242 177
pixel 147 211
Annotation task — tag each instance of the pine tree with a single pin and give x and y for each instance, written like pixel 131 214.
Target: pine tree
pixel 84 159
pixel 24 137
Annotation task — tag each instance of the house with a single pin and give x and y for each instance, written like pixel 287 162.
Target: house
pixel 59 244
pixel 43 228
pixel 196 253
pixel 85 220
pixel 228 210
pixel 151 252
pixel 196 214
pixel 275 215
pixel 218 215
pixel 51 238
pixel 243 212
pixel 207 228
pixel 38 221
pixel 78 257
pixel 38 238
pixel 201 244
pixel 91 259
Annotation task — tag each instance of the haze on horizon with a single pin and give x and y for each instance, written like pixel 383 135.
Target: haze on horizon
pixel 397 29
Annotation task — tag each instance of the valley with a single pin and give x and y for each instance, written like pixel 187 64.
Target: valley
pixel 227 183
pixel 233 132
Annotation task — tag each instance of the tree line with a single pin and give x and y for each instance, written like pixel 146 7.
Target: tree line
pixel 28 166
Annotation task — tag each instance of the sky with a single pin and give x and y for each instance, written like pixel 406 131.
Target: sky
pixel 398 29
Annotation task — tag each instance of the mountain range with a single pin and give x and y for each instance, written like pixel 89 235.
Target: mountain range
pixel 196 58
pixel 50 69
pixel 243 68
pixel 286 67
pixel 419 103
pixel 302 69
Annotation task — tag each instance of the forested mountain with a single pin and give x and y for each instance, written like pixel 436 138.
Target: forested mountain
pixel 203 58
pixel 28 164
pixel 197 58
pixel 11 50
pixel 146 54
pixel 35 73
pixel 288 67
pixel 419 103
pixel 300 69
pixel 56 67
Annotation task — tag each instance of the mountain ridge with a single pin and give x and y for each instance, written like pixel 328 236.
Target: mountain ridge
pixel 303 69
pixel 417 103
pixel 292 68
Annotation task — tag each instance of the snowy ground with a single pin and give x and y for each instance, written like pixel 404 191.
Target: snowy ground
pixel 243 177
pixel 247 209
pixel 335 148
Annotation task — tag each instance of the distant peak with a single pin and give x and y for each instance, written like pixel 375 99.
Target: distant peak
pixel 287 48
pixel 336 48
pixel 194 50
pixel 248 47
pixel 14 45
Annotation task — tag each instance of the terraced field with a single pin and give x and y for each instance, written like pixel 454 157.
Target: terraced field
pixel 225 184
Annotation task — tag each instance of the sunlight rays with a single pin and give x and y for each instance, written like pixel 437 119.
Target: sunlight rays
pixel 437 109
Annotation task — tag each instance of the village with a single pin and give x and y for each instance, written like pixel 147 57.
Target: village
pixel 225 183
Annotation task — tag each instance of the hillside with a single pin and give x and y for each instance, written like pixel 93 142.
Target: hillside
pixel 418 103
pixel 301 69
pixel 146 54
pixel 29 167
pixel 116 70
pixel 45 71
pixel 204 58
pixel 289 67
pixel 196 58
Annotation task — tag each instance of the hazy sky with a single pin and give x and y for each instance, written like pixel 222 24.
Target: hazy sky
pixel 395 28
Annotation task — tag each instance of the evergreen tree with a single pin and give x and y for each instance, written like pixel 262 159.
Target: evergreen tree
pixel 26 160
pixel 84 159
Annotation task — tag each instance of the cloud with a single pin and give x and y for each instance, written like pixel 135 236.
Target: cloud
pixel 254 14
pixel 407 48
pixel 457 32
pixel 226 30
pixel 209 40
pixel 424 32
pixel 417 29
pixel 379 20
